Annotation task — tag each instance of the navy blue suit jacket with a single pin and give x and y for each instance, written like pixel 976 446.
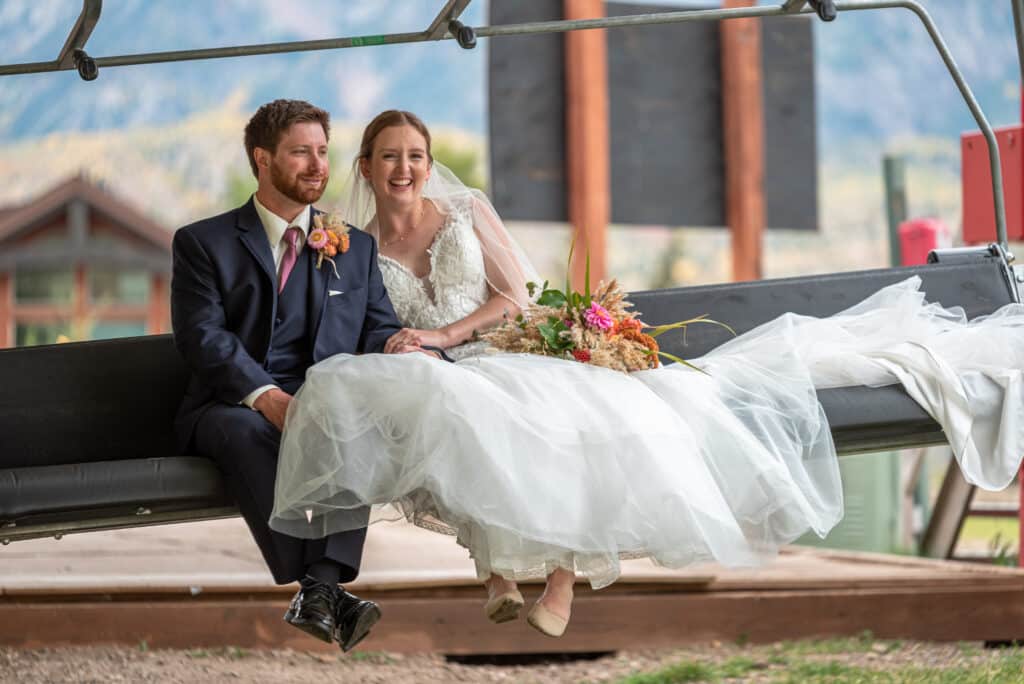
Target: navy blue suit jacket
pixel 223 306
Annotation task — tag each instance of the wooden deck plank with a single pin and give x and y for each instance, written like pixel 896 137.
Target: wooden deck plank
pixel 203 585
pixel 456 625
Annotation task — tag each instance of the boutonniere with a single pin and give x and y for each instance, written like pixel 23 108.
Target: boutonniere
pixel 329 238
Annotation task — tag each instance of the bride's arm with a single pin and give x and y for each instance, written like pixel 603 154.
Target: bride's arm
pixel 491 313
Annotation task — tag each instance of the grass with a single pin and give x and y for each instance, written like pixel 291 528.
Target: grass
pixel 371 657
pixel 999 534
pixel 823 662
pixel 733 668
pixel 229 652
pixel 985 528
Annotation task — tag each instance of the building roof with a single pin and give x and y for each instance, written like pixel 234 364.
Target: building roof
pixel 14 218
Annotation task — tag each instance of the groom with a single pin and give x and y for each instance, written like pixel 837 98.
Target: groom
pixel 252 309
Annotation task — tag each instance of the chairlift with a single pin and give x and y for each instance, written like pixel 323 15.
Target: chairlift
pixel 87 427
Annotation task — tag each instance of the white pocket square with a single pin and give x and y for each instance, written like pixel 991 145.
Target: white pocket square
pixel 331 293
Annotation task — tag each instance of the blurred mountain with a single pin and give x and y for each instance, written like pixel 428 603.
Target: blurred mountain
pixel 880 77
pixel 878 74
pixel 168 136
pixel 443 83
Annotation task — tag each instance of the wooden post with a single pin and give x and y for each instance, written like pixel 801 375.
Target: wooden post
pixel 743 137
pixel 6 311
pixel 587 140
pixel 156 314
pixel 895 177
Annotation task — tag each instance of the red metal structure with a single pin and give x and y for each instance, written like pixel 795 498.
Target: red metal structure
pixel 979 225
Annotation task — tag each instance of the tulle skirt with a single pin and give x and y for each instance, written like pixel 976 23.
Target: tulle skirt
pixel 536 463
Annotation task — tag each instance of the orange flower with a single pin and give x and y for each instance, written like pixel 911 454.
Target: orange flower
pixel 330 250
pixel 628 324
pixel 332 238
pixel 343 243
pixel 646 341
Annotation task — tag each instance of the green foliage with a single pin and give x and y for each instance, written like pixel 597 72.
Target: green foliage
pixel 239 187
pixel 552 334
pixel 464 163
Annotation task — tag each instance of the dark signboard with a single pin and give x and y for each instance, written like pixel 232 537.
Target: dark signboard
pixel 665 112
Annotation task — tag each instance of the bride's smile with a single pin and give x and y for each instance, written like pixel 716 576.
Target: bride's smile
pixel 398 165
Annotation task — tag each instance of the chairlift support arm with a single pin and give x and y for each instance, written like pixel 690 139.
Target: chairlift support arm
pixel 447 19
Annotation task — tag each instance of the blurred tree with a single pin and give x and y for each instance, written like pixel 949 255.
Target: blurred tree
pixel 465 162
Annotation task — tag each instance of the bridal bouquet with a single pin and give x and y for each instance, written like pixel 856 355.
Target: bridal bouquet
pixel 590 327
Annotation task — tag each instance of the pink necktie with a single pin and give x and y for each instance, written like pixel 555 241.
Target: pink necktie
pixel 291 253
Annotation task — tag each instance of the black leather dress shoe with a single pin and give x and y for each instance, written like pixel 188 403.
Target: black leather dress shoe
pixel 313 609
pixel 353 619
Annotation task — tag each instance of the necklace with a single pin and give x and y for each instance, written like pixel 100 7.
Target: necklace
pixel 412 228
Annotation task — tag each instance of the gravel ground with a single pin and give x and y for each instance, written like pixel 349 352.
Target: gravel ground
pixel 123 664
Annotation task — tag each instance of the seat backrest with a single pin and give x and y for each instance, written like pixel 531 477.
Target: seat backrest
pixel 89 401
pixel 116 399
pixel 980 286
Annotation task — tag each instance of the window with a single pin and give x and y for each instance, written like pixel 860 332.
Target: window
pixel 31 334
pixel 43 287
pixel 106 330
pixel 108 286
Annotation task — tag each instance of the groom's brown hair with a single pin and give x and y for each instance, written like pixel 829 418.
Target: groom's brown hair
pixel 274 118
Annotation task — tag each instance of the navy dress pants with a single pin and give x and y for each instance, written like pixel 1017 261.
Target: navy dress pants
pixel 244 445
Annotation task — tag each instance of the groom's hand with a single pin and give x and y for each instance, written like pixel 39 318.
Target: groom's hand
pixel 411 337
pixel 411 349
pixel 273 404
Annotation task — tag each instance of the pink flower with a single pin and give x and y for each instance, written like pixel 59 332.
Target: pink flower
pixel 598 317
pixel 317 239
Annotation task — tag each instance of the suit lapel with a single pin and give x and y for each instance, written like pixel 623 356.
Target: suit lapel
pixel 319 278
pixel 254 236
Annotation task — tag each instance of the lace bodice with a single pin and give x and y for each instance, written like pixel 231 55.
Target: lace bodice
pixel 456 285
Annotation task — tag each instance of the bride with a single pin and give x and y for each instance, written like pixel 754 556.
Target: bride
pixel 544 467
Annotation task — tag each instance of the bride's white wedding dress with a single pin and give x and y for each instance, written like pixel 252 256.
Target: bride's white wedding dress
pixel 537 462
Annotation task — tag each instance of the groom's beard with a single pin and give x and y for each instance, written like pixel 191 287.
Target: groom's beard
pixel 293 189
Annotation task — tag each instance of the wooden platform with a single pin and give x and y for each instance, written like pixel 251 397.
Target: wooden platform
pixel 203 584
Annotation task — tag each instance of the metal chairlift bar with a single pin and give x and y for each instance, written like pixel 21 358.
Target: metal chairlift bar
pixel 581 24
pixel 80 32
pixel 451 10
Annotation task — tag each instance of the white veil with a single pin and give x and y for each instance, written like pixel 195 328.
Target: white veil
pixel 507 267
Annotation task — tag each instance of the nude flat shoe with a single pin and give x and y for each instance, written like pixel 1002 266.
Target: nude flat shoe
pixel 546 622
pixel 504 607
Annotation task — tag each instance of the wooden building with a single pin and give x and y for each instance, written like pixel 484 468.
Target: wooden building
pixel 79 263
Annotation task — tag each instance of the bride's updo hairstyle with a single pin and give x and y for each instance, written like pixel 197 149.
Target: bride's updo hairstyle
pixel 392 117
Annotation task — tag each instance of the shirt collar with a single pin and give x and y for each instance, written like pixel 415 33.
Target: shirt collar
pixel 275 225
